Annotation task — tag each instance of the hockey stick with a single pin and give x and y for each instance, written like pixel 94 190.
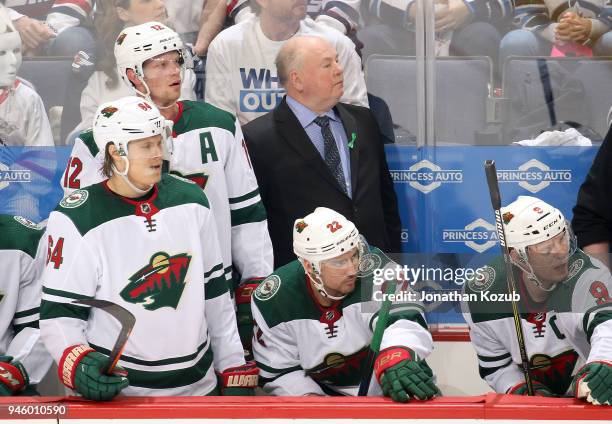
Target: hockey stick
pixel 491 174
pixel 381 324
pixel 125 318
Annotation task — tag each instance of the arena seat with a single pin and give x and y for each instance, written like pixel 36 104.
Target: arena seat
pixel 580 88
pixel 50 77
pixel 461 93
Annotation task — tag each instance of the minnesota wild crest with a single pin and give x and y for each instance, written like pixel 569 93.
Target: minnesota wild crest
pixel 160 283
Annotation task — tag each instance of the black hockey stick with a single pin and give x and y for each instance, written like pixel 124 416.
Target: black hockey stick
pixel 491 174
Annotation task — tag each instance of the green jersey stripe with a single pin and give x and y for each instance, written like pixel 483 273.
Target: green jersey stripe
pixel 234 200
pixel 214 269
pixel 62 293
pixel 51 310
pixel 253 213
pixel 26 313
pixel 215 287
pixel 493 358
pixel 484 372
pixel 174 378
pixel 166 361
pixel 277 370
pixel 17 328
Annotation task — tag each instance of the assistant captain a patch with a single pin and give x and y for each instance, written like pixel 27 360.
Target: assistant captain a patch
pixel 268 288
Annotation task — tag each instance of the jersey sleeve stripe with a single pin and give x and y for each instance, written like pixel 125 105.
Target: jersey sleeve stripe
pixel 493 358
pixel 598 318
pixel 24 320
pixel 17 328
pixel 215 287
pixel 52 310
pixel 254 193
pixel 277 370
pixel 174 378
pixel 213 270
pixel 252 213
pixel 23 314
pixel 165 361
pixel 62 293
pixel 485 372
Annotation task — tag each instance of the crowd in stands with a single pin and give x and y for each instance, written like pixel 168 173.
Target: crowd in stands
pixel 234 43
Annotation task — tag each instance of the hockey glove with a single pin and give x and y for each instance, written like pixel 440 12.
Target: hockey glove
pixel 539 389
pixel 239 381
pixel 244 316
pixel 80 369
pixel 13 376
pixel 594 382
pixel 401 375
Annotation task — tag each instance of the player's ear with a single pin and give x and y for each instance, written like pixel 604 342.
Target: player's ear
pixel 131 75
pixel 513 254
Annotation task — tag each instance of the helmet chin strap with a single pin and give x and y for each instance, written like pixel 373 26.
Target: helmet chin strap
pixel 532 277
pixel 125 177
pixel 318 283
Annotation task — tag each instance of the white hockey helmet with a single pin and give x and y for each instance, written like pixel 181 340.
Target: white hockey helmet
pixel 128 119
pixel 324 234
pixel 139 43
pixel 529 221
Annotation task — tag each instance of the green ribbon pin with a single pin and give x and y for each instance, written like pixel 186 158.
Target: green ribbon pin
pixel 351 143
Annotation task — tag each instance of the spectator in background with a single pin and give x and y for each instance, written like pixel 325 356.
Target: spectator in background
pixel 463 27
pixel 592 220
pixel 240 73
pixel 23 120
pixel 104 85
pixel 53 27
pixel 313 151
pixel 559 28
pixel 342 15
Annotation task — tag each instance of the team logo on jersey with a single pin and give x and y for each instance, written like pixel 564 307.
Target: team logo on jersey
pixel 339 369
pixel 484 279
pixel 160 283
pixel 555 372
pixel 75 199
pixel 108 111
pixel 268 288
pixel 575 268
pixel 27 223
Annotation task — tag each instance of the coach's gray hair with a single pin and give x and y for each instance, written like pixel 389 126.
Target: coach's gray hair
pixel 290 57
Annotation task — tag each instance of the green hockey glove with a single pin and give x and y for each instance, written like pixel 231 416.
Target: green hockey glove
pixel 402 375
pixel 539 389
pixel 594 382
pixel 244 316
pixel 81 369
pixel 13 376
pixel 239 381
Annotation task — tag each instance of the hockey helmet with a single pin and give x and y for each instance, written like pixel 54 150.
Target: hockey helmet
pixel 139 43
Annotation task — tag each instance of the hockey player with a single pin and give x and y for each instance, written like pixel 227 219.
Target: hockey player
pixel 23 120
pixel 146 241
pixel 23 358
pixel 208 148
pixel 564 306
pixel 315 318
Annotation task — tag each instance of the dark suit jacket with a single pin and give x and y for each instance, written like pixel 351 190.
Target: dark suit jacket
pixel 294 180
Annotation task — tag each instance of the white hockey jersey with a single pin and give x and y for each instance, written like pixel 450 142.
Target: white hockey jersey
pixel 574 323
pixel 23 120
pixel 302 347
pixel 22 259
pixel 241 75
pixel 159 258
pixel 208 148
